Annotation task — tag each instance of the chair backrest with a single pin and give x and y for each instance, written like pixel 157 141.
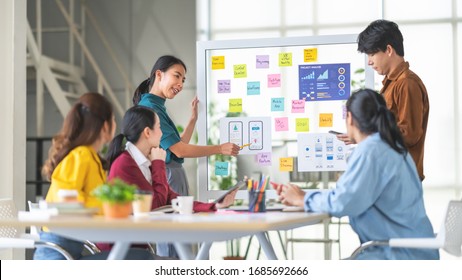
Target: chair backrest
pixel 453 228
pixel 7 211
pixel 34 207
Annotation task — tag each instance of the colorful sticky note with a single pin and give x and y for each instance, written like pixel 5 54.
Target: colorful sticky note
pixel 326 120
pixel 235 105
pixel 274 80
pixel 285 59
pixel 310 55
pixel 277 104
pixel 281 124
pixel 298 106
pixel 240 71
pixel 264 159
pixel 286 164
pixel 344 111
pixel 221 168
pixel 253 88
pixel 262 61
pixel 218 62
pixel 224 86
pixel 302 124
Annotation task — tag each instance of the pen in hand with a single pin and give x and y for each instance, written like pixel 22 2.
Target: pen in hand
pixel 245 145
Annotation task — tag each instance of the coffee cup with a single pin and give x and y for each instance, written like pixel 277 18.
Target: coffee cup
pixel 183 204
pixel 142 203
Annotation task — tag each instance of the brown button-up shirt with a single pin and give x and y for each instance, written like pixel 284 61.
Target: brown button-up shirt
pixel 406 97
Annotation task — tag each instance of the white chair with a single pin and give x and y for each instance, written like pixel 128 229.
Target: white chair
pixel 11 237
pixel 88 245
pixel 449 238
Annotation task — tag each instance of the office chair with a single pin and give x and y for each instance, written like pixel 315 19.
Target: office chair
pixel 449 238
pixel 12 238
pixel 88 245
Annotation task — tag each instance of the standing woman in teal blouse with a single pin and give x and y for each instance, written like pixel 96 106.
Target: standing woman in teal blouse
pixel 165 82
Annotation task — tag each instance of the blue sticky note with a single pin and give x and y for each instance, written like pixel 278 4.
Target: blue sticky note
pixel 221 168
pixel 253 88
pixel 277 104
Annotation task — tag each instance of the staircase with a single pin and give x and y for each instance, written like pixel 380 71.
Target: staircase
pixel 64 80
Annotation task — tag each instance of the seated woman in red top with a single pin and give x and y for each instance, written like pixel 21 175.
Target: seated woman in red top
pixel 142 162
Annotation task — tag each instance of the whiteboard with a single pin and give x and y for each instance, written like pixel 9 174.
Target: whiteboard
pixel 297 86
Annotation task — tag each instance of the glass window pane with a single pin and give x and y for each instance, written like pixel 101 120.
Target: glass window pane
pixel 298 12
pixel 299 32
pixel 340 11
pixel 422 9
pixel 459 8
pixel 245 14
pixel 245 35
pixel 436 73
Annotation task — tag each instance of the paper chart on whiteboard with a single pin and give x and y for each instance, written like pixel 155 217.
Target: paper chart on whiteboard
pixel 320 152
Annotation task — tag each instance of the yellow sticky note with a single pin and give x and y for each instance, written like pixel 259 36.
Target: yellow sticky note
pixel 235 105
pixel 302 124
pixel 218 62
pixel 326 120
pixel 286 164
pixel 240 71
pixel 310 55
pixel 285 59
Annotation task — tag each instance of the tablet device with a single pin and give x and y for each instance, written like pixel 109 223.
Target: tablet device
pixel 238 185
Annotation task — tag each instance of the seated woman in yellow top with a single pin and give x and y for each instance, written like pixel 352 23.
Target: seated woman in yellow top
pixel 74 164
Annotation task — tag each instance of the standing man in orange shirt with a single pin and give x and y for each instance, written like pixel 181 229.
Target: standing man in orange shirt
pixel 404 92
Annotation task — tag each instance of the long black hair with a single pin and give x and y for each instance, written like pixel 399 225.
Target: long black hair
pixel 370 114
pixel 162 64
pixel 135 120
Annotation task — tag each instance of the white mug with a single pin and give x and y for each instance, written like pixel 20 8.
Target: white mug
pixel 183 204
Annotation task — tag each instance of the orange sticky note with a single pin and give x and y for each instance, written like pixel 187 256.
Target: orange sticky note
pixel 286 164
pixel 326 120
pixel 310 55
pixel 218 62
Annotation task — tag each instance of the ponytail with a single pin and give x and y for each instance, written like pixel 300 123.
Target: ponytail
pixel 115 149
pixel 144 87
pixel 389 131
pixel 369 111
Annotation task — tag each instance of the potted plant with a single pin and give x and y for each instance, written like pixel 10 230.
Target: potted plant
pixel 117 197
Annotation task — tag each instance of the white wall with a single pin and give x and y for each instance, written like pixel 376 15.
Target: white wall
pixel 12 109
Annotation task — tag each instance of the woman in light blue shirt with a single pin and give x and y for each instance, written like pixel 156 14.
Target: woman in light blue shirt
pixel 380 191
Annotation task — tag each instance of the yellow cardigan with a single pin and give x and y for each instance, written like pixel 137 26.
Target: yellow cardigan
pixel 80 170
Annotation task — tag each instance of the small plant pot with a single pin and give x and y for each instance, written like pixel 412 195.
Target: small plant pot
pixel 117 210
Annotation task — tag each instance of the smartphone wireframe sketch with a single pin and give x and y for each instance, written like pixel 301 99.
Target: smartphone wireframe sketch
pixel 256 135
pixel 235 132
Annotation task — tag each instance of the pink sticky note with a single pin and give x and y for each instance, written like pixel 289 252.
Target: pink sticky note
pixel 264 159
pixel 298 106
pixel 281 124
pixel 274 80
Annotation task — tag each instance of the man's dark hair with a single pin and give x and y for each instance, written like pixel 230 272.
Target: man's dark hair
pixel 378 35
